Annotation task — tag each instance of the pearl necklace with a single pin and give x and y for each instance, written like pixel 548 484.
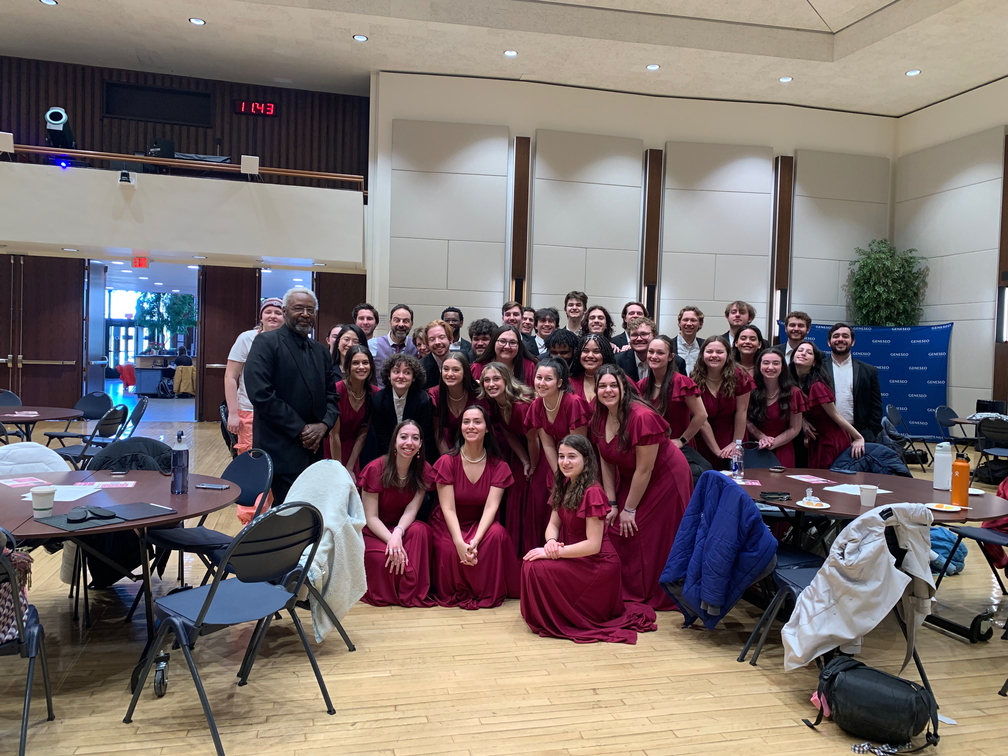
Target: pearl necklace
pixel 555 407
pixel 473 461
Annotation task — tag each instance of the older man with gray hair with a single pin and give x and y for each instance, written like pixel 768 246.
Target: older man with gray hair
pixel 286 380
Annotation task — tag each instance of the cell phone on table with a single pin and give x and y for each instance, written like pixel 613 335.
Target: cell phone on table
pixel 213 486
pixel 118 473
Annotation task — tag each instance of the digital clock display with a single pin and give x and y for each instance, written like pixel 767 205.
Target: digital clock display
pixel 251 107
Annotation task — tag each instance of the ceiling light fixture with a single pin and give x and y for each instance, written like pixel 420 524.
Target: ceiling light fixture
pixel 510 53
pixel 653 67
pixel 142 278
pixel 118 262
pixel 125 270
pixel 197 22
pixel 359 38
pixel 48 2
pixel 193 267
pixel 319 265
pixel 69 249
pixel 158 283
pixel 266 270
pixel 914 72
pixel 199 257
pixel 297 280
pixel 175 291
pixel 784 79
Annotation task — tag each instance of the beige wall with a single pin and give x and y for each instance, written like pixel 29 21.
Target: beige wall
pixel 948 207
pixel 718 207
pixel 233 222
pixel 841 202
pixel 586 215
pixel 448 213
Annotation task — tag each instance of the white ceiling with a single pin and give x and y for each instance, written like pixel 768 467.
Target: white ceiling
pixel 842 54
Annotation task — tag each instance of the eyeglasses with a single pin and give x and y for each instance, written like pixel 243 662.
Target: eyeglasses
pixel 507 343
pixel 298 309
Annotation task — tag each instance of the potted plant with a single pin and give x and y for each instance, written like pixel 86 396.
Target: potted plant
pixel 886 287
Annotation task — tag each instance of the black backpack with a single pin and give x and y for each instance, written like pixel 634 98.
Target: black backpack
pixel 874 705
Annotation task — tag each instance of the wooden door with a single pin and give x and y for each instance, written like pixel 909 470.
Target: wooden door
pixel 8 354
pixel 48 320
pixel 97 354
pixel 338 294
pixel 228 303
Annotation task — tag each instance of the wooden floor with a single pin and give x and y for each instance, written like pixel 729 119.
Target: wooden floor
pixel 448 681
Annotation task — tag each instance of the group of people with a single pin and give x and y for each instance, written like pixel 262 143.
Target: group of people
pixel 534 460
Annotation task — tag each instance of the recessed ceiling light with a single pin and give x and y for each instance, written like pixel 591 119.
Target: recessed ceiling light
pixel 653 67
pixel 297 280
pixel 118 262
pixel 510 53
pixel 199 257
pixel 359 38
pixel 784 79
pixel 175 291
pixel 319 265
pixel 266 270
pixel 914 72
pixel 197 22
pixel 69 249
pixel 125 270
pixel 193 267
pixel 108 288
pixel 48 2
pixel 142 278
pixel 158 283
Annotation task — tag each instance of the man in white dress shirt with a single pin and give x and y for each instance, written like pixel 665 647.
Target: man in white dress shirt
pixel 797 324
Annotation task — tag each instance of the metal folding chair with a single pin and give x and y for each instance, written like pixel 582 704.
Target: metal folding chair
pixel 10 399
pixel 993 437
pixel 134 420
pixel 110 426
pixel 896 418
pixel 94 406
pixel 944 416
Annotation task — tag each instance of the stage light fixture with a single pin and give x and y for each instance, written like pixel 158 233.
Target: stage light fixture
pixel 58 131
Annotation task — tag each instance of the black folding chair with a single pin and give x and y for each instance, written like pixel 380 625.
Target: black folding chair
pixel 944 416
pixel 229 438
pixel 94 406
pixel 110 427
pixel 993 436
pixel 260 556
pixel 759 459
pixel 10 399
pixel 134 420
pixel 29 641
pixel 894 417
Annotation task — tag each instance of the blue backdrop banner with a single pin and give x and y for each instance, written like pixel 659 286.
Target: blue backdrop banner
pixel 912 366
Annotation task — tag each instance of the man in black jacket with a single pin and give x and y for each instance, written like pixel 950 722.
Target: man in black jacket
pixel 855 383
pixel 634 362
pixel 295 406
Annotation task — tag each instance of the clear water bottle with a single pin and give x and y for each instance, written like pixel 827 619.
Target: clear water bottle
pixel 738 461
pixel 179 466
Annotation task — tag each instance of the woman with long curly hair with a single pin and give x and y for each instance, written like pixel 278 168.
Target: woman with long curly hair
pixel 403 398
pixel 775 407
pixel 724 389
pixel 396 545
pixel 646 479
pixel 475 563
pixel 572 587
pixel 593 352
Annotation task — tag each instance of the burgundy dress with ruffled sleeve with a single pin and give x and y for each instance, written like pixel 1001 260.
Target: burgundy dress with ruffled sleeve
pixel 778 422
pixel 496 574
pixel 581 598
pixel 660 510
pixel 677 414
pixel 830 439
pixel 721 416
pixel 573 412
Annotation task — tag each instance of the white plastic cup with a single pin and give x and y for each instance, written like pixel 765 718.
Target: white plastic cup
pixel 42 501
pixel 868 494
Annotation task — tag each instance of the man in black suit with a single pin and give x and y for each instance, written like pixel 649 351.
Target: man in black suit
pixel 439 339
pixel 738 314
pixel 855 383
pixel 295 406
pixel 634 362
pixel 453 317
pixel 631 310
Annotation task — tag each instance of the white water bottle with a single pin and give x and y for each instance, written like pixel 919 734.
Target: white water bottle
pixel 943 467
pixel 738 461
pixel 180 466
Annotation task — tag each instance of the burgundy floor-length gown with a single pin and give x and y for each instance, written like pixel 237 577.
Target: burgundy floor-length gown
pixel 831 439
pixel 515 498
pixel 677 414
pixel 721 416
pixel 351 421
pixel 660 510
pixel 413 587
pixel 497 573
pixel 573 412
pixel 581 599
pixel 777 422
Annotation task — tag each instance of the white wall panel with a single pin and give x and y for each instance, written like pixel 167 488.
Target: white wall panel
pixel 448 215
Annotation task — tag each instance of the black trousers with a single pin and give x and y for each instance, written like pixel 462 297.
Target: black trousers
pixel 282 483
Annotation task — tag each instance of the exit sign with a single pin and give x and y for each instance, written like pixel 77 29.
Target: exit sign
pixel 141 262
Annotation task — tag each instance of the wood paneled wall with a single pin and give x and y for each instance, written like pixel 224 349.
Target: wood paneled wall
pixel 314 131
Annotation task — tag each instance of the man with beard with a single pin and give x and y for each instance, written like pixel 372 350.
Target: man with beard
pixel 855 383
pixel 439 339
pixel 295 405
pixel 396 341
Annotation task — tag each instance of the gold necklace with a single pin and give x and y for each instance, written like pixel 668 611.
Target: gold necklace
pixel 555 407
pixel 472 461
pixel 355 396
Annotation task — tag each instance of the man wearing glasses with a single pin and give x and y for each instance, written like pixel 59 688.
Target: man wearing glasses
pixel 286 379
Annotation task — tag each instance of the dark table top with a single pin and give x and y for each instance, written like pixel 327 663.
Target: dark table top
pixel 982 507
pixel 42 414
pixel 152 487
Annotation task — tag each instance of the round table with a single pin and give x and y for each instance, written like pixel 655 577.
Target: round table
pixel 26 423
pixel 846 506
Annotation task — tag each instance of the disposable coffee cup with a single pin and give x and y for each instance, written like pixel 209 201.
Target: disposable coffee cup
pixel 42 501
pixel 868 494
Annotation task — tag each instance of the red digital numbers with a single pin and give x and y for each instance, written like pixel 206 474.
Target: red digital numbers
pixel 251 107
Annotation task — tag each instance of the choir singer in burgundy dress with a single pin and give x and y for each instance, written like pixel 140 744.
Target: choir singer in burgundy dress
pixel 572 587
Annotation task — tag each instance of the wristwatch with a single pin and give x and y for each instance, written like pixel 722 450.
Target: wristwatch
pixel 683 441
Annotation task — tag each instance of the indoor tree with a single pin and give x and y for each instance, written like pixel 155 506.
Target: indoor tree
pixel 886 286
pixel 162 313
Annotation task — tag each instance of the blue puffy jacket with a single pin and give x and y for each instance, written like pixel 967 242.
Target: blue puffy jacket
pixel 722 547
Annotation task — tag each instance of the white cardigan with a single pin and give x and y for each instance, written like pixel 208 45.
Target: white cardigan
pixel 859 584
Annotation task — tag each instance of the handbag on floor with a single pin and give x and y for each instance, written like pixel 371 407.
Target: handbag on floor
pixel 874 705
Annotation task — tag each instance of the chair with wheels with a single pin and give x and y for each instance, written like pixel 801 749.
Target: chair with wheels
pixel 260 556
pixel 134 420
pixel 110 426
pixel 896 418
pixel 993 437
pixel 944 416
pixel 25 638
pixel 94 406
pixel 10 399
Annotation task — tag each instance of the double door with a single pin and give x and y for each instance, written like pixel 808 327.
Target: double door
pixel 42 325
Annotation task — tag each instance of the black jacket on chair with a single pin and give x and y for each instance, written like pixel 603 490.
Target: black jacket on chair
pixel 867 398
pixel 418 407
pixel 628 361
pixel 287 380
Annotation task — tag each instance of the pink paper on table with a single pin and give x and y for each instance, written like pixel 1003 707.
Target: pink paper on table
pixel 813 479
pixel 745 482
pixel 108 484
pixel 23 482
